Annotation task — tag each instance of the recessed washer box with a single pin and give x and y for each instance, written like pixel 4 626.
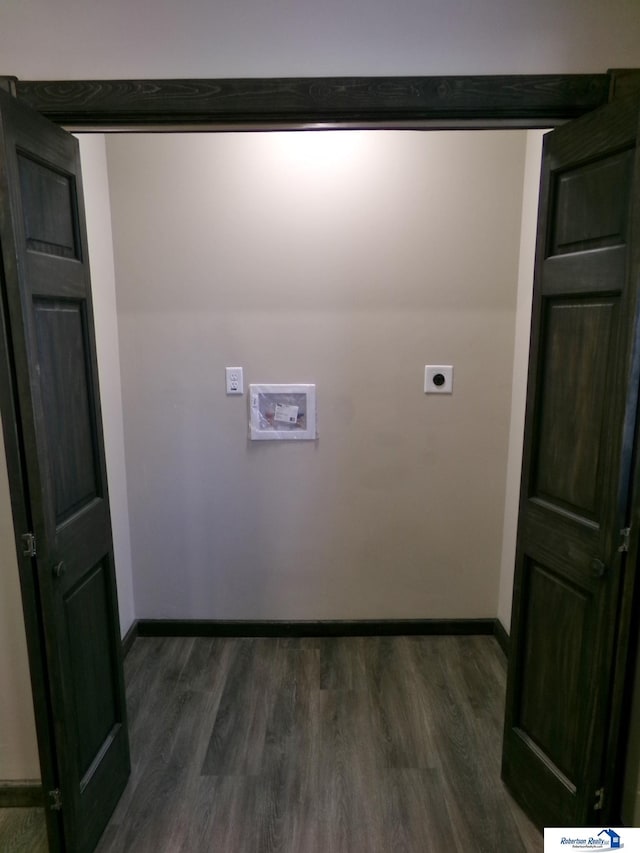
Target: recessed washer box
pixel 438 379
pixel 282 412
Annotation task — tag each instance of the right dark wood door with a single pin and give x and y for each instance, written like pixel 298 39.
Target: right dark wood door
pixel 579 435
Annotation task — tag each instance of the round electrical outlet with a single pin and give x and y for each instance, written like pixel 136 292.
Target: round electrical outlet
pixel 438 378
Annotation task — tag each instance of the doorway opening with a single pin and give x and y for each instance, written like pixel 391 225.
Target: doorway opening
pixel 336 181
pixel 166 327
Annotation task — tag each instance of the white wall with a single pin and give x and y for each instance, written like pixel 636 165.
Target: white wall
pixel 98 214
pixel 263 38
pixel 345 259
pixel 530 191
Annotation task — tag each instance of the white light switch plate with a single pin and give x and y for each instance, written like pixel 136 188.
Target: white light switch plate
pixel 234 380
pixel 438 379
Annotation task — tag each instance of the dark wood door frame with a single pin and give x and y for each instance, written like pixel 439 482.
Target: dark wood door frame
pixel 436 102
pixel 460 102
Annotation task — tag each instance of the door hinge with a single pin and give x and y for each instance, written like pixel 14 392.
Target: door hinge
pixel 29 545
pixel 55 800
pixel 625 535
pixel 597 806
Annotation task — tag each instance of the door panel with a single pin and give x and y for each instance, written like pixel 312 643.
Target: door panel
pixel 591 205
pixel 554 606
pixel 580 422
pixel 65 386
pixel 48 209
pixel 50 318
pixel 576 365
pixel 93 665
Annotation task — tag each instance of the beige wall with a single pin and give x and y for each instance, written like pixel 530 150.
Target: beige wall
pixel 98 213
pixel 530 191
pixel 294 38
pixel 349 260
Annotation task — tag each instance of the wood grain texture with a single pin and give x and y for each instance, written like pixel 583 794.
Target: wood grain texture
pixel 574 403
pixel 567 648
pixel 624 81
pixel 54 381
pixel 23 831
pixel 538 98
pixel 316 745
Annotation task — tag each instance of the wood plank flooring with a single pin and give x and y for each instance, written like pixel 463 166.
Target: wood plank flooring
pixel 331 745
pixel 23 831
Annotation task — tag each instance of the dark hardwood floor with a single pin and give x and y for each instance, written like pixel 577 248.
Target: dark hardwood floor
pixel 23 831
pixel 353 745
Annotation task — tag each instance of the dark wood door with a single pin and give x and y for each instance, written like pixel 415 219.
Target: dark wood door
pixel 48 308
pixel 579 434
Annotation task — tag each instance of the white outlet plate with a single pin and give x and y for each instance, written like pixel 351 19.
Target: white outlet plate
pixel 438 379
pixel 234 380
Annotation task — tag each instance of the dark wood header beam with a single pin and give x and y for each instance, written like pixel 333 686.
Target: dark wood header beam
pixel 538 100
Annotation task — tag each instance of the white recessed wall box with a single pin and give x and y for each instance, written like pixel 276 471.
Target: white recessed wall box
pixel 278 412
pixel 438 379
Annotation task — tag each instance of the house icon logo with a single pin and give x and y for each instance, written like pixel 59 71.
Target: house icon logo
pixel 614 838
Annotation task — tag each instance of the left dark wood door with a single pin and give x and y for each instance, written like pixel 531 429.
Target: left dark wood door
pixel 48 311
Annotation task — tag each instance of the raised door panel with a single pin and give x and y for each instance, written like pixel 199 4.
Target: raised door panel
pixel 553 706
pixel 591 204
pixel 67 397
pixel 573 409
pixel 93 666
pixel 49 209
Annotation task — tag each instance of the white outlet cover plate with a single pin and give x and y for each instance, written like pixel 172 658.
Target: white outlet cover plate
pixel 431 371
pixel 234 380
